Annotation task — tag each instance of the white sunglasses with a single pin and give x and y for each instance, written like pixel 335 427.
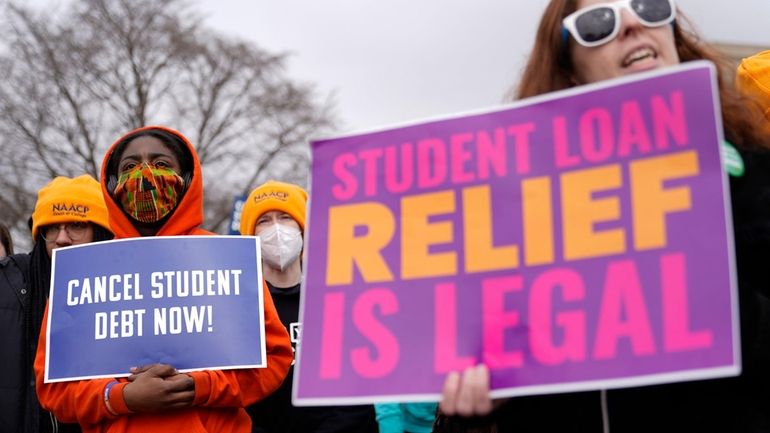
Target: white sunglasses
pixel 600 23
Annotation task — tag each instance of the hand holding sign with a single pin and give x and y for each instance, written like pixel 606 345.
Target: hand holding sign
pixel 467 395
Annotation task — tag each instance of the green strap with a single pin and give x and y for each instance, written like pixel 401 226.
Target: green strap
pixel 732 160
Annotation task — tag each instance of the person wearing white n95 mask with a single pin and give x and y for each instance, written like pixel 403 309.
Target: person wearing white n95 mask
pixel 281 244
pixel 275 211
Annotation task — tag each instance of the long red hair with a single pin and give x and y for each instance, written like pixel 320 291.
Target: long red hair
pixel 549 68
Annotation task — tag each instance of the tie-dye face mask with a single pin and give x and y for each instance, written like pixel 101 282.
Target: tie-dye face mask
pixel 148 193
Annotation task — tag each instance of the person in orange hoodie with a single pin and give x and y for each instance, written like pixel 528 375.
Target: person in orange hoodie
pixel 152 184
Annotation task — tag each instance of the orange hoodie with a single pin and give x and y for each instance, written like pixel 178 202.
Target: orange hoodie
pixel 220 396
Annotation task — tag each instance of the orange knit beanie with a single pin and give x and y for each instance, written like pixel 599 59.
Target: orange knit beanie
pixel 753 79
pixel 273 195
pixel 66 200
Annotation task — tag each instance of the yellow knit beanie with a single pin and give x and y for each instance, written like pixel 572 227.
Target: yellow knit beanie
pixel 273 195
pixel 66 200
pixel 753 79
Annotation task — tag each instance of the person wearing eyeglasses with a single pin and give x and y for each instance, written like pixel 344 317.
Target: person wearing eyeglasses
pixel 152 184
pixel 68 211
pixel 586 41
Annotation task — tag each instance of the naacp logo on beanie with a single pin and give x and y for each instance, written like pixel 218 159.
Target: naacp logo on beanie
pixel 275 195
pixel 75 210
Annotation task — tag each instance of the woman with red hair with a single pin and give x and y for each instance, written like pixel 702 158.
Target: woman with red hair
pixel 586 41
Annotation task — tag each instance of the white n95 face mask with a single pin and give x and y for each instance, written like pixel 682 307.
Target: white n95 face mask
pixel 281 245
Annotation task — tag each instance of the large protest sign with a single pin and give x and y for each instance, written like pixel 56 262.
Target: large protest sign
pixel 194 302
pixel 578 240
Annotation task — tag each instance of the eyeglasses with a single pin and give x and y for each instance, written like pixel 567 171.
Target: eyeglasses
pixel 600 23
pixel 75 231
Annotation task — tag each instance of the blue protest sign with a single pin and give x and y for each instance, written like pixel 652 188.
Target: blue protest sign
pixel 194 302
pixel 235 215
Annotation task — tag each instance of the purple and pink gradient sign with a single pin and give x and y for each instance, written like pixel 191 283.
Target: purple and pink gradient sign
pixel 579 240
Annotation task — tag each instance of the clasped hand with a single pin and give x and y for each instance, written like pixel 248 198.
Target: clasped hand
pixel 158 387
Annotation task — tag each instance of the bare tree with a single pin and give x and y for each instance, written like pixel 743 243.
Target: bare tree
pixel 73 82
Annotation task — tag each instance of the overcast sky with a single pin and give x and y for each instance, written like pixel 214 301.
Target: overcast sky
pixel 390 61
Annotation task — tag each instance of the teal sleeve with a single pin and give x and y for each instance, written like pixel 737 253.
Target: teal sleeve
pixel 389 417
